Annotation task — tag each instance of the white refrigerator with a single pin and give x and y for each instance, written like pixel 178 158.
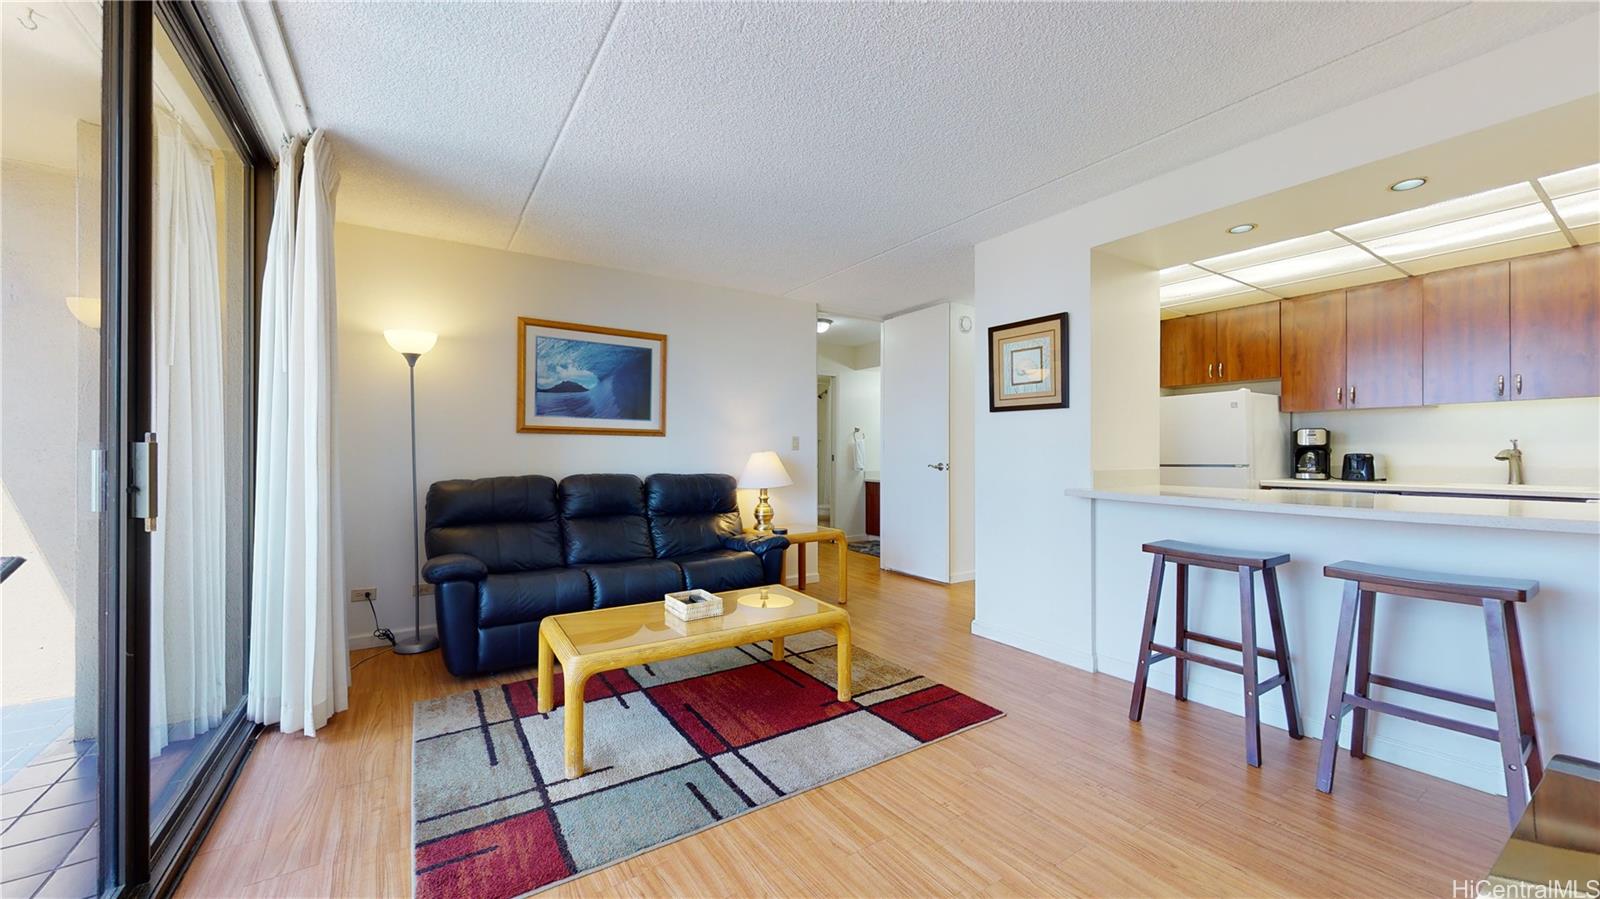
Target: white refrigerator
pixel 1232 438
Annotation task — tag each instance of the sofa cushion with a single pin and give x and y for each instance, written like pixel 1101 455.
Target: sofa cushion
pixel 690 513
pixel 626 583
pixel 603 519
pixel 720 569
pixel 509 524
pixel 524 596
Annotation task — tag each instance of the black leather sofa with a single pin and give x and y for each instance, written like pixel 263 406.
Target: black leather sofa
pixel 505 552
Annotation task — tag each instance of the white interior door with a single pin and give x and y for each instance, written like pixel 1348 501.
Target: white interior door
pixel 916 444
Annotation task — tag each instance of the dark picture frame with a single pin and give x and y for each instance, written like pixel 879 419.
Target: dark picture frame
pixel 1028 364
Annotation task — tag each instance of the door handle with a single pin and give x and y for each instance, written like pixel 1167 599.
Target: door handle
pixel 1519 385
pixel 940 466
pixel 142 482
pixel 1500 386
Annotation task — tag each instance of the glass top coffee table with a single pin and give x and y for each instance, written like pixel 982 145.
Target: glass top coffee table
pixel 587 643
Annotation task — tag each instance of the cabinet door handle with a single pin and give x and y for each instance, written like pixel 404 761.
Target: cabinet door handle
pixel 1219 369
pixel 1519 385
pixel 1339 396
pixel 1352 394
pixel 1211 369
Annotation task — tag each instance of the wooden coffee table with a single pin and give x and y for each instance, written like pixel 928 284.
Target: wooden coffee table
pixel 587 643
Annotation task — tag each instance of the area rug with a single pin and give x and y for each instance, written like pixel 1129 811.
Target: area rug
pixel 671 748
pixel 865 547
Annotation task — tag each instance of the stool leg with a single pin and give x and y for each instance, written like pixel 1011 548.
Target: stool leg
pixel 1506 707
pixel 1367 608
pixel 1519 679
pixel 1280 642
pixel 1336 678
pixel 1252 677
pixel 1180 635
pixel 1151 605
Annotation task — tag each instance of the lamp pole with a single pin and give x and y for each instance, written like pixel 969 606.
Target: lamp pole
pixel 417 643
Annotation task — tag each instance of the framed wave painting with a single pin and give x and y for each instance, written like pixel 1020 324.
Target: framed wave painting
pixel 1028 364
pixel 583 379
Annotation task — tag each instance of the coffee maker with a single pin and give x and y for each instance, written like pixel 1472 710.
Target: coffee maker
pixel 1310 459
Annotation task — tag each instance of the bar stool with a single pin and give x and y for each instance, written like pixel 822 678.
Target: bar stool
pixel 1246 563
pixel 1519 743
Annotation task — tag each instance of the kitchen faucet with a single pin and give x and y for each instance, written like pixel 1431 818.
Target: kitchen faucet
pixel 1514 456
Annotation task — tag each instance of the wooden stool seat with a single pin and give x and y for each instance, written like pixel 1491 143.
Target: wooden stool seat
pixel 1512 704
pixel 1214 556
pixel 1246 563
pixel 1431 584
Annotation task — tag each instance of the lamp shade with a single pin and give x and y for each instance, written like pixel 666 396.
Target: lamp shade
pixel 85 309
pixel 408 342
pixel 764 470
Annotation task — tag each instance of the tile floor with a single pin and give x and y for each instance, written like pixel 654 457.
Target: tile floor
pixel 27 728
pixel 49 809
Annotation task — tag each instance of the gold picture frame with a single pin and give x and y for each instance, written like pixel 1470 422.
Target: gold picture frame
pixel 588 379
pixel 1028 364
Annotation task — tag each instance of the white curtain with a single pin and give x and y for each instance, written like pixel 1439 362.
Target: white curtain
pixel 299 664
pixel 189 576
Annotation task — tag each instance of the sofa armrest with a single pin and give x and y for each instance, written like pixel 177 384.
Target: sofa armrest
pixel 453 567
pixel 760 544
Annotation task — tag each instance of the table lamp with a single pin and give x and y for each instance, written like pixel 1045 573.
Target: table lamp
pixel 764 470
pixel 412 344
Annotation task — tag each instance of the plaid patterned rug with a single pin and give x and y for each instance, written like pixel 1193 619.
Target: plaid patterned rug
pixel 671 748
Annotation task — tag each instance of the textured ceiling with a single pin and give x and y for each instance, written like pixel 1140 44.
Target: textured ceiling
pixel 843 154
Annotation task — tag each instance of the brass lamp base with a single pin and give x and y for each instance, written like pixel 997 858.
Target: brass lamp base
pixel 763 512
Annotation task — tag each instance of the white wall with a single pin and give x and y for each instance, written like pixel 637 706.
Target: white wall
pixel 1033 548
pixel 1560 440
pixel 740 378
pixel 963 455
pixel 857 402
pixel 46 364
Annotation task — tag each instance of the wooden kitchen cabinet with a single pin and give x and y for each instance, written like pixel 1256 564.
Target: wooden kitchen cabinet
pixel 1239 344
pixel 1246 342
pixel 1466 334
pixel 1383 344
pixel 1183 351
pixel 1313 350
pixel 1555 324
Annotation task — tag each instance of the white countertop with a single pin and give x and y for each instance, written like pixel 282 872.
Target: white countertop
pixel 1513 491
pixel 1516 514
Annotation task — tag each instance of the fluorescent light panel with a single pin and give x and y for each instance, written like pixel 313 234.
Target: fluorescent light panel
pixel 1479 231
pixel 1575 181
pixel 1188 284
pixel 1579 210
pixel 1459 209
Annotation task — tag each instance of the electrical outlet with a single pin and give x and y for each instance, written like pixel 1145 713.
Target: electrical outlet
pixel 364 594
pixel 794 442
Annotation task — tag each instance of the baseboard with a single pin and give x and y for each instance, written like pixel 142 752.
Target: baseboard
pixel 1050 649
pixel 368 641
pixel 961 577
pixel 1454 767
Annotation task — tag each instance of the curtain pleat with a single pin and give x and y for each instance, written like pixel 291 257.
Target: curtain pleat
pixel 188 692
pixel 299 664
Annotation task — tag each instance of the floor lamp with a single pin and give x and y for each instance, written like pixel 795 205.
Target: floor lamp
pixel 412 344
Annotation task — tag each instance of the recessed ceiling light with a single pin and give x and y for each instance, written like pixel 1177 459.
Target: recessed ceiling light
pixel 823 324
pixel 1245 228
pixel 1408 184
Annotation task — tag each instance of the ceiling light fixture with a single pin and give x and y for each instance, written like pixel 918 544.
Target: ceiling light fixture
pixel 1245 228
pixel 823 324
pixel 1408 184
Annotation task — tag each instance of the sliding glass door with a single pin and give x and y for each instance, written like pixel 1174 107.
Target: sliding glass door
pixel 127 371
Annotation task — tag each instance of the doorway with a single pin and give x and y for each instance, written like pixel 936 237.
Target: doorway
pixel 827 459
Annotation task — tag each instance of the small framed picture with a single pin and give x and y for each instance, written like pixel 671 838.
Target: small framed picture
pixel 1028 364
pixel 584 379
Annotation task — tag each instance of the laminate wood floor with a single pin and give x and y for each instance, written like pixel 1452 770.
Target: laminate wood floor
pixel 1064 796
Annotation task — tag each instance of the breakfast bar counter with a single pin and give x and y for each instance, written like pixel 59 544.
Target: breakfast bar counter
pixel 1443 644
